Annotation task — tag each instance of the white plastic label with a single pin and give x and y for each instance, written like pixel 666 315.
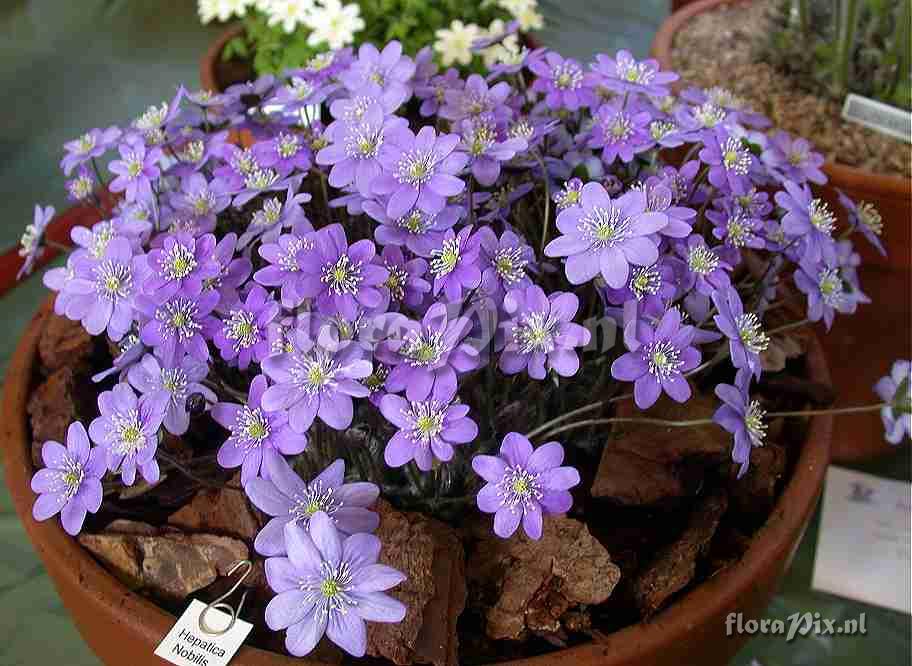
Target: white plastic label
pixel 878 116
pixel 188 645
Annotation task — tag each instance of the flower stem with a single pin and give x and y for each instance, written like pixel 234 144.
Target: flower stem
pixel 626 419
pixel 820 412
pixel 175 464
pixel 788 327
pixel 546 220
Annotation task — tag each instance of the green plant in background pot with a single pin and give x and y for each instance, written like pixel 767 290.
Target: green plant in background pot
pixel 284 34
pixel 833 48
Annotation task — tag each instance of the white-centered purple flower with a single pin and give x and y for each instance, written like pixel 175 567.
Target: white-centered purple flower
pixel 135 170
pixel 256 434
pixel 809 219
pixel 381 71
pixel 621 132
pixel 268 222
pixel 418 231
pixel 826 291
pixel 624 74
pixel 405 284
pixel 605 236
pixel 744 419
pixel 487 148
pixel 744 330
pixel 285 257
pixel 182 264
pixel 287 498
pixel 505 262
pixel 94 143
pixel 664 354
pixel 792 159
pixel 243 332
pixel 730 161
pixel 562 81
pixel 286 152
pixel 523 484
pixel 329 585
pixel 427 430
pixel 540 335
pixel 30 243
pixel 476 100
pixel 70 481
pixel 896 390
pixel 355 149
pixel 865 218
pixel 706 268
pixel 128 430
pixel 454 264
pixel 181 325
pixel 168 385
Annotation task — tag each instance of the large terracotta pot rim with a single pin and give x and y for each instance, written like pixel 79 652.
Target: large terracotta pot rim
pixel 146 624
pixel 882 184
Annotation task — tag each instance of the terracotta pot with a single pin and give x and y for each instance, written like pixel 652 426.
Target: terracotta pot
pixel 891 195
pixel 123 627
pixel 877 333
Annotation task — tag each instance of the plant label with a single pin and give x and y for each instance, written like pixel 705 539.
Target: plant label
pixel 878 116
pixel 188 645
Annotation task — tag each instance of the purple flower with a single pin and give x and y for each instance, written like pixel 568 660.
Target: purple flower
pixel 128 430
pixel 256 435
pixel 202 199
pixel 427 430
pixel 896 390
pixel 562 81
pixel 809 219
pixel 284 269
pixel 743 418
pixel 233 271
pixel 430 354
pixel 540 334
pixel 624 74
pixel 286 152
pixel 274 216
pixel 706 269
pixel 312 381
pixel 505 262
pixel 419 170
pixel 180 325
pixel 355 149
pixel 261 180
pixel 405 284
pixel 386 70
pixel 30 247
pixel 864 217
pixel 659 363
pixel 330 586
pixel 605 236
pixel 475 99
pixel 300 92
pixel 82 187
pixel 736 227
pixel 135 170
pixel 791 159
pixel 181 264
pixel 92 144
pixel 283 495
pixel 620 132
pixel 70 482
pixel 103 290
pixel 569 195
pixel 524 484
pixel 729 160
pixel 825 290
pixel 168 386
pixel 455 264
pixel 340 276
pixel 416 230
pixel 434 92
pixel 744 330
pixel 486 150
pixel 243 333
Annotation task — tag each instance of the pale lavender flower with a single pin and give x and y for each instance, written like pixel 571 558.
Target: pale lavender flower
pixel 103 290
pixel 865 218
pixel 896 390
pixel 82 187
pixel 744 330
pixel 486 149
pixel 182 264
pixel 562 81
pixel 284 269
pixel 476 99
pixel 406 284
pixel 454 264
pixel 30 247
pixel 200 198
pixel 433 94
pixel 180 325
pixel 243 332
pixel 92 144
pixel 355 149
pixel 809 219
pixel 136 170
pixel 793 159
pixel 505 262
pixel 624 74
pixel 170 384
pixel 386 70
pixel 416 230
pixel 620 132
pixel 825 290
pixel 268 222
pixel 729 160
pixel 744 419
pixel 286 152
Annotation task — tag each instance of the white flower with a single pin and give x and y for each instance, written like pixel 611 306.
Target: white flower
pixel 289 13
pixel 507 51
pixel 334 24
pixel 221 9
pixel 526 12
pixel 454 44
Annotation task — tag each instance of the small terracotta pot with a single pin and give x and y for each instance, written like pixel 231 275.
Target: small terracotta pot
pixel 877 333
pixel 123 628
pixel 891 195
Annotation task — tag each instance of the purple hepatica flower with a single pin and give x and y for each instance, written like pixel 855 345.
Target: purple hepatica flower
pixel 793 159
pixel 386 70
pixel 706 268
pixel 135 170
pixel 419 170
pixel 233 271
pixel 476 99
pixel 736 227
pixel 301 92
pixel 30 247
pixel 826 291
pixel 524 484
pixel 896 390
pixel 181 265
pixel 92 144
pixel 128 430
pixel 243 334
pixel 82 186
pixel 486 151
pixel 330 586
pixel 624 74
pixel 284 269
pixel 568 195
pixel 274 216
pixel 103 290
pixel 729 160
pixel 340 276
pixel 405 284
pixel 256 435
pixel 744 330
pixel 180 325
pixel 427 429
pixel 540 334
pixel 653 285
pixel 202 199
pixel 561 81
pixel 605 236
pixel 431 353
pixel 809 219
pixel 743 418
pixel 505 261
pixel 661 199
pixel 70 482
pixel 131 350
pixel 455 264
pixel 864 217
pixel 284 153
pixel 237 165
pixel 283 495
pixel 620 132
pixel 664 355
pixel 261 180
pixel 171 385
pixel 416 230
pixel 312 381
pixel 355 149
pixel 433 94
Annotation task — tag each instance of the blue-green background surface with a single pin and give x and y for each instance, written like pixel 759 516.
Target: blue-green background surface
pixel 67 65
